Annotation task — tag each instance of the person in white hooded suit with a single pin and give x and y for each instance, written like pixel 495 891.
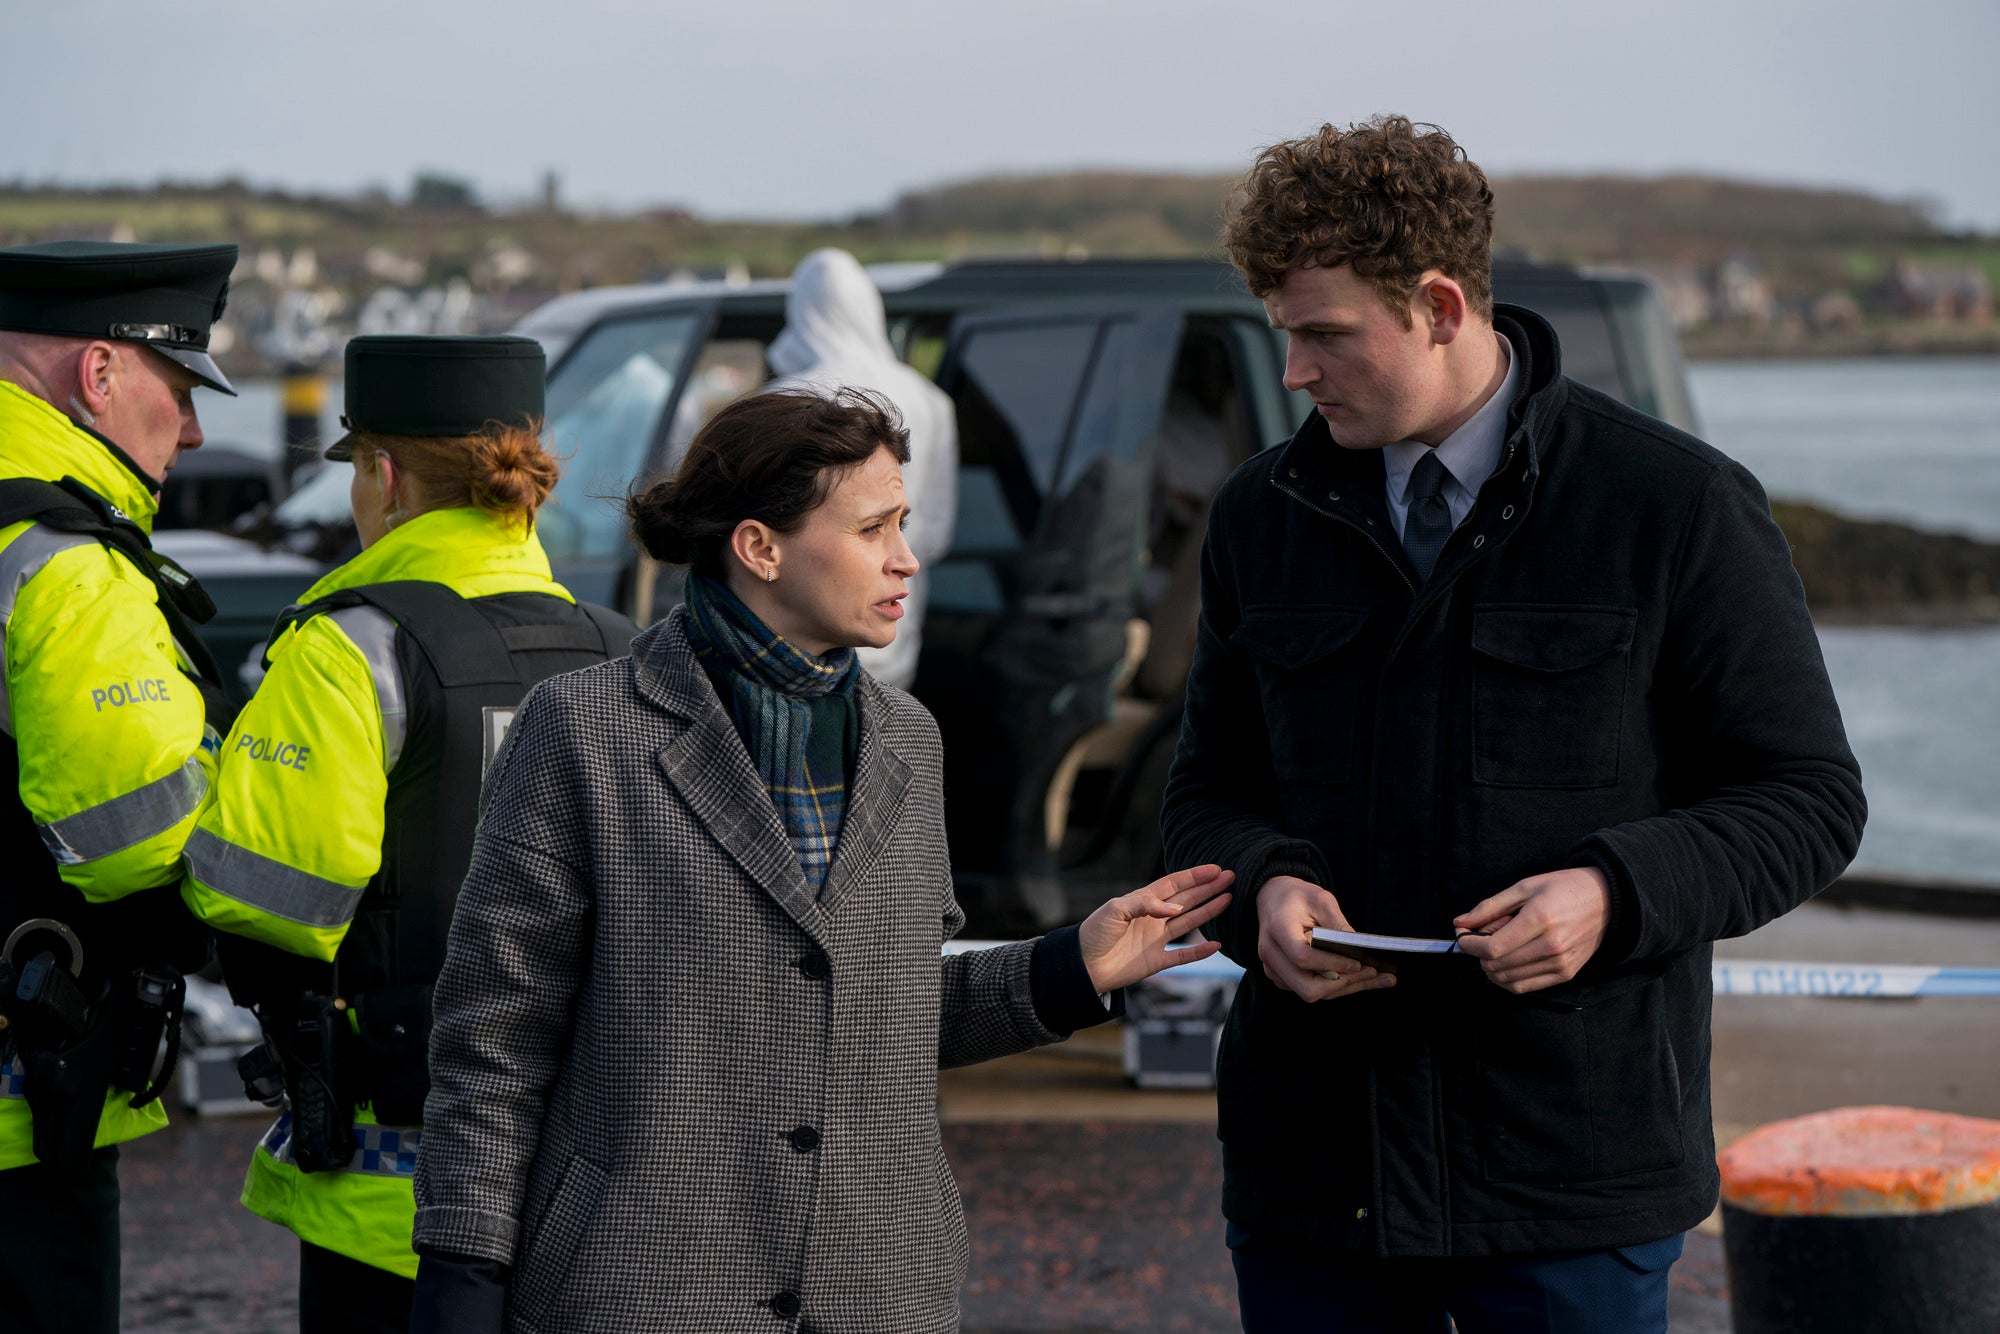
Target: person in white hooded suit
pixel 837 335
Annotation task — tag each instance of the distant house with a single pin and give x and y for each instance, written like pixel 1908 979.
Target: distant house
pixel 1689 300
pixel 1834 312
pixel 1958 292
pixel 1742 292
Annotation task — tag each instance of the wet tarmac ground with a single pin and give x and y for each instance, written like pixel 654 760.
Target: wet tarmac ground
pixel 1076 1226
pixel 1093 1206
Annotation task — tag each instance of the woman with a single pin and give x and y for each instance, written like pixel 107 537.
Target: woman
pixel 331 849
pixel 689 1027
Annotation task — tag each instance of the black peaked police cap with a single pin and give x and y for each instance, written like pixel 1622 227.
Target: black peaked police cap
pixel 439 385
pixel 165 296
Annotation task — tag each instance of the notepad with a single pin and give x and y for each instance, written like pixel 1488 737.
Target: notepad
pixel 1326 938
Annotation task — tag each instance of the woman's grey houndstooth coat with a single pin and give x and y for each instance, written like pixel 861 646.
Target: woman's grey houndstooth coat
pixel 669 1087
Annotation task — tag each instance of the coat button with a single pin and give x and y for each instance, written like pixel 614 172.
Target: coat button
pixel 1361 1215
pixel 1507 513
pixel 804 1139
pixel 816 966
pixel 1294 472
pixel 1479 541
pixel 1333 495
pixel 786 1304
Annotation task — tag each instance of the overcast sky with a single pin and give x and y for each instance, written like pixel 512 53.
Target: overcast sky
pixel 772 108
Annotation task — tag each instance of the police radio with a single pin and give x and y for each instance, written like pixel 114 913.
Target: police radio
pixel 49 1005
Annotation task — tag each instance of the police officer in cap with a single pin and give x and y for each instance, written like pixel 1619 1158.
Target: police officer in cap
pixel 331 854
pixel 106 735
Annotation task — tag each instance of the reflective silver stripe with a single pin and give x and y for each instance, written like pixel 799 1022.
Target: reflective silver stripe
pixel 21 561
pixel 268 885
pixel 374 633
pixel 379 1151
pixel 124 822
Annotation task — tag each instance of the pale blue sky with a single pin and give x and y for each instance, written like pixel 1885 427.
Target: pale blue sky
pixel 780 108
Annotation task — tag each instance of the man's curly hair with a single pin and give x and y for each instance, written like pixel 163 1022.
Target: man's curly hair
pixel 1388 197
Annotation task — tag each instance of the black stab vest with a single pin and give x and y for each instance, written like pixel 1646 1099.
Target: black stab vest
pixel 466 664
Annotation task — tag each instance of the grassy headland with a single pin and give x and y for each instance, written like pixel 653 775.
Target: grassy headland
pixel 1748 268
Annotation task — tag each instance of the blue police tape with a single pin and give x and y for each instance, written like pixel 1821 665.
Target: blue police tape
pixel 1732 977
pixel 1859 981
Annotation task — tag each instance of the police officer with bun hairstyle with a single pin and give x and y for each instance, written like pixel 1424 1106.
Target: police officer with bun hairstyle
pixel 331 852
pixel 108 728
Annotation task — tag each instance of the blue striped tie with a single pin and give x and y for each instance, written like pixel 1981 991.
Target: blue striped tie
pixel 1428 523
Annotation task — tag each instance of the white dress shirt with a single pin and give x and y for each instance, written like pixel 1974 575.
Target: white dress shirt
pixel 1469 454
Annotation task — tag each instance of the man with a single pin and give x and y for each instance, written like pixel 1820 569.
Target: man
pixel 1483 654
pixel 105 738
pixel 836 334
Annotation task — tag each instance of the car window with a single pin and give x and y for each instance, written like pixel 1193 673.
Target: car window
pixel 1023 384
pixel 726 370
pixel 604 405
pixel 1275 411
pixel 920 341
pixel 1648 353
pixel 321 499
pixel 1588 356
pixel 1016 390
pixel 1583 330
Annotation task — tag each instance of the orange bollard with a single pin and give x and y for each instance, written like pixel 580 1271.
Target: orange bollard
pixel 1885 1219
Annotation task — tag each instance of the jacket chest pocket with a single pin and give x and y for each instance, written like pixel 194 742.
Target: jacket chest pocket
pixel 1548 694
pixel 1309 675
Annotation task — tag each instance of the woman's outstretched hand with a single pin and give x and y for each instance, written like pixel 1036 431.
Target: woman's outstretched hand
pixel 1125 941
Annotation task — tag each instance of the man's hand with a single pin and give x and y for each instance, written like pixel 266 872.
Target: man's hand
pixel 1539 931
pixel 1125 941
pixel 1288 909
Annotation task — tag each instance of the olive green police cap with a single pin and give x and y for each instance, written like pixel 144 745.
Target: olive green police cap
pixel 439 385
pixel 165 296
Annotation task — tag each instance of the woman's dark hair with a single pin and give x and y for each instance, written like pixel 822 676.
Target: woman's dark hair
pixel 770 457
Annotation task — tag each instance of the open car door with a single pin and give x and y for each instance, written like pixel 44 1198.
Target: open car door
pixel 1026 630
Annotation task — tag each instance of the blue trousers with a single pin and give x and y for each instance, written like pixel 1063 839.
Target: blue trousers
pixel 1283 1289
pixel 340 1295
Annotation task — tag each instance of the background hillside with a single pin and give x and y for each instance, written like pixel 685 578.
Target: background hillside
pixel 1743 265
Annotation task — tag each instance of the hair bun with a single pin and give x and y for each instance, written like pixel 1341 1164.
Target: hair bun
pixel 511 473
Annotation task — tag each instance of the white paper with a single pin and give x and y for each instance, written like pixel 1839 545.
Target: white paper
pixel 1326 938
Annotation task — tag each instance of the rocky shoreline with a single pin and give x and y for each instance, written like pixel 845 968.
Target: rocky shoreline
pixel 1868 572
pixel 1912 338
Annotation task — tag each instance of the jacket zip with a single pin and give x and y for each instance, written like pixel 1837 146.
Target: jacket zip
pixel 1341 518
pixel 1438 1145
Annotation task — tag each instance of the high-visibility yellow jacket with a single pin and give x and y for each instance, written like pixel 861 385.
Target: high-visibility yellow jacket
pixel 292 835
pixel 109 723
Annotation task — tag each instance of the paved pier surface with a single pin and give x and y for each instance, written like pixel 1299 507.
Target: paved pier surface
pixel 1093 1206
pixel 1076 1226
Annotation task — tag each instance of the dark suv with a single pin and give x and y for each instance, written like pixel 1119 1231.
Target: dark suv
pixel 1100 404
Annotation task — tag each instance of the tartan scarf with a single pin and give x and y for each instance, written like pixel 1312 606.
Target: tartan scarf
pixel 795 713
